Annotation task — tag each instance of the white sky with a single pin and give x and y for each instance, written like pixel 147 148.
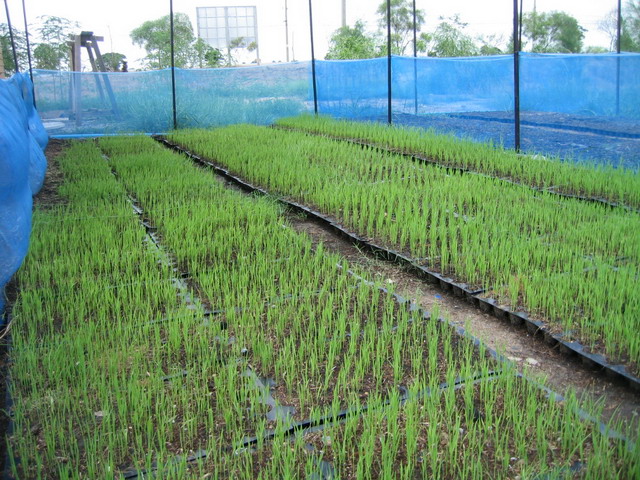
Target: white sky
pixel 114 19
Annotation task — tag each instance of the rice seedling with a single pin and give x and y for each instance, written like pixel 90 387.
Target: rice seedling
pixel 569 263
pixel 113 370
pixel 611 183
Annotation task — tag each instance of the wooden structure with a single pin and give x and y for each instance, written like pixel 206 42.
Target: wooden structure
pixel 90 42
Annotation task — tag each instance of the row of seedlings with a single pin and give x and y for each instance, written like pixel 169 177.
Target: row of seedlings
pixel 570 264
pixel 101 338
pixel 606 183
pixel 100 399
pixel 312 328
pixel 332 352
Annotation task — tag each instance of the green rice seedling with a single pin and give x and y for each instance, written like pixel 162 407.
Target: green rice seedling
pixel 577 275
pixel 114 360
pixel 615 184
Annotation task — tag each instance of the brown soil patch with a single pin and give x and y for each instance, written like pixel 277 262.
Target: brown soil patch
pixel 48 195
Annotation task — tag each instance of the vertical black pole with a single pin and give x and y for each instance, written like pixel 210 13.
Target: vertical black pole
pixel 26 34
pixel 173 67
pixel 520 23
pixel 516 76
pixel 13 43
pixel 618 49
pixel 415 55
pixel 389 62
pixel 313 62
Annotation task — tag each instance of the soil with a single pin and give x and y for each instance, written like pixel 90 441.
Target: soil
pixel 48 194
pixel 529 352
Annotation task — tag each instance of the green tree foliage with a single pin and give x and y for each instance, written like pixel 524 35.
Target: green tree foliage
pixel 237 44
pixel 401 24
pixel 7 52
pixel 630 38
pixel 449 40
pixel 205 56
pixel 52 52
pixel 551 32
pixel 351 43
pixel 114 61
pixel 630 34
pixel 155 37
pixel 595 49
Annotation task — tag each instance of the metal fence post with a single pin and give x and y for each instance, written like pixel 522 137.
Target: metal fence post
pixel 313 62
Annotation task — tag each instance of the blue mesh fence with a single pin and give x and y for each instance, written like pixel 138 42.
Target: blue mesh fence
pixel 355 89
pixel 257 94
pixel 574 106
pixel 107 103
pixel 80 103
pixel 580 108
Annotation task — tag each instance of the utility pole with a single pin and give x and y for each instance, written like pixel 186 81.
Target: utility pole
pixel 286 27
pixel 344 13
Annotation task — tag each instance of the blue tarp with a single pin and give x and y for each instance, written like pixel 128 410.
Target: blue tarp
pixel 22 170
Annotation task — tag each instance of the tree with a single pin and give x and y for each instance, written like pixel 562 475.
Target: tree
pixel 155 37
pixel 401 23
pixel 52 52
pixel 552 32
pixel 630 37
pixel 7 52
pixel 595 49
pixel 449 40
pixel 351 43
pixel 609 25
pixel 237 44
pixel 630 27
pixel 114 61
pixel 205 56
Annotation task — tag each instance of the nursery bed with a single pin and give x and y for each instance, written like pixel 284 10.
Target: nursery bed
pixel 180 389
pixel 298 144
pixel 589 181
pixel 575 138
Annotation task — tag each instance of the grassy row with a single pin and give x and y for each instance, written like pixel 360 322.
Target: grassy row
pixel 570 263
pixel 617 185
pixel 91 400
pixel 87 366
pixel 309 325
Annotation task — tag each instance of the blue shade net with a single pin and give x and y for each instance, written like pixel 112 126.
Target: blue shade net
pixel 575 106
pixel 582 107
pixel 22 170
pixel 110 103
